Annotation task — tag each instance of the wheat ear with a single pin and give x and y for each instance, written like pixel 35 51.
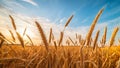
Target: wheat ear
pixel 30 39
pixel 93 26
pixel 13 22
pixel 95 40
pixel 112 39
pixel 68 21
pixel 20 39
pixel 61 38
pixel 104 36
pixel 42 35
pixel 12 35
pixel 50 36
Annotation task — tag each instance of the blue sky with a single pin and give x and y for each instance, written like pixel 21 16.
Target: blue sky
pixel 58 11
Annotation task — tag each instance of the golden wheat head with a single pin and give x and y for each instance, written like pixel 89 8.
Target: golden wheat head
pixel 50 36
pixel 61 38
pixel 13 22
pixel 68 21
pixel 96 38
pixel 93 26
pixel 20 39
pixel 12 35
pixel 112 39
pixel 42 35
pixel 103 41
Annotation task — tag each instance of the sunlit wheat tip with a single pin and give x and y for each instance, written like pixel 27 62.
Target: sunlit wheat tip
pixel 13 22
pixel 41 32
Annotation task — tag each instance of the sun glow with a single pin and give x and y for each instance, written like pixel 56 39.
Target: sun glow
pixel 27 32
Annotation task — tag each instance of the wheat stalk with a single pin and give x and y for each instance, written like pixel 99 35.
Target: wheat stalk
pixel 118 63
pixel 55 45
pixel 24 31
pixel 90 41
pixel 12 35
pixel 2 41
pixel 20 39
pixel 13 59
pixel 119 41
pixel 50 36
pixel 72 41
pixel 2 35
pixel 79 38
pixel 3 38
pixel 95 40
pixel 93 26
pixel 30 39
pixel 103 41
pixel 42 35
pixel 67 42
pixel 61 38
pixel 62 33
pixel 112 39
pixel 82 57
pixel 13 22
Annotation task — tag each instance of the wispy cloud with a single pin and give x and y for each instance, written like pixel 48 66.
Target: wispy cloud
pixel 11 4
pixel 31 2
pixel 85 20
pixel 23 21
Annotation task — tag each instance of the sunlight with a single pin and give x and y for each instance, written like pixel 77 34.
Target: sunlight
pixel 28 32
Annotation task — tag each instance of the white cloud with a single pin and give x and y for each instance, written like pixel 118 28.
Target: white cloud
pixel 11 4
pixel 31 2
pixel 23 21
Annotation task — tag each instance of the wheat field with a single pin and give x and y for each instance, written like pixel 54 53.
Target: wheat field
pixel 85 53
